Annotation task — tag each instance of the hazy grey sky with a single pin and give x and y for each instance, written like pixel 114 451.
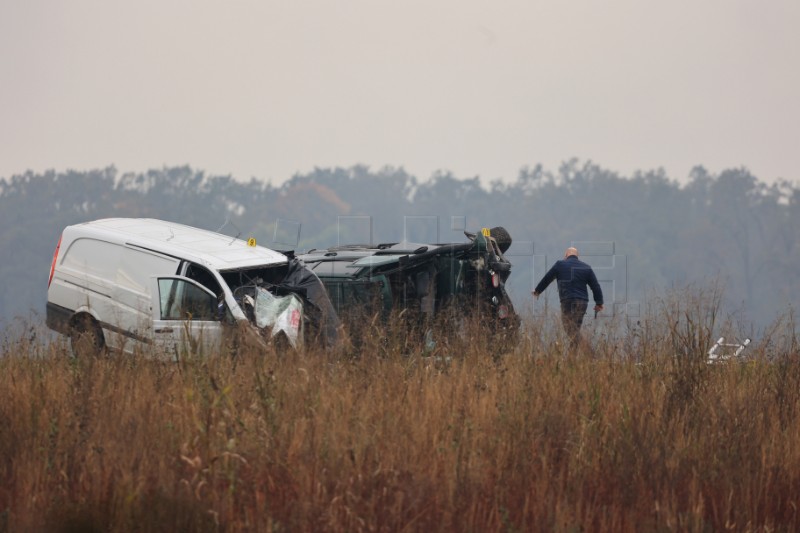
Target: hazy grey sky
pixel 270 88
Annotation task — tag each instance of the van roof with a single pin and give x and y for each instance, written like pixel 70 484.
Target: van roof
pixel 209 248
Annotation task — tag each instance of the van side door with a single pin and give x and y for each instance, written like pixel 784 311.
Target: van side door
pixel 185 317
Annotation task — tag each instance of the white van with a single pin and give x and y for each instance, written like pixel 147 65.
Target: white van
pixel 127 284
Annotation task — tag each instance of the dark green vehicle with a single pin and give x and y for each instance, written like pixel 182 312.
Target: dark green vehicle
pixel 428 286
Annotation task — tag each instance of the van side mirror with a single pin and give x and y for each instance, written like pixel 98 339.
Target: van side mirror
pixel 224 314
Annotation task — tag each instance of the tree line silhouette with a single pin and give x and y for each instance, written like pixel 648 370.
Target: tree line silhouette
pixel 729 227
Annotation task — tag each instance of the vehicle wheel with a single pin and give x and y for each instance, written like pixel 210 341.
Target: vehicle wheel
pixel 502 238
pixel 86 338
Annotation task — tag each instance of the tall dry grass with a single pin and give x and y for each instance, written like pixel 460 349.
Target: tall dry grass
pixel 386 440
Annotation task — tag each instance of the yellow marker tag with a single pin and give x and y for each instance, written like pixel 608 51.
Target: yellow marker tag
pixel 251 241
pixel 486 232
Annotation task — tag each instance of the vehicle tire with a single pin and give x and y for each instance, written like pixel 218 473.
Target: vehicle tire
pixel 86 338
pixel 502 238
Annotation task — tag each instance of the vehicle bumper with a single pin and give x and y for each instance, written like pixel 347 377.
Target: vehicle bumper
pixel 57 318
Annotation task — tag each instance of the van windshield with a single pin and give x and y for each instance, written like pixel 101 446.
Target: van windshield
pixel 263 276
pixel 291 284
pixel 246 284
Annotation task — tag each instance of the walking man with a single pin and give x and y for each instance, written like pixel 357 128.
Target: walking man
pixel 573 276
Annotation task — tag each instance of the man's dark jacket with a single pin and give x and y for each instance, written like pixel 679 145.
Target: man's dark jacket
pixel 573 275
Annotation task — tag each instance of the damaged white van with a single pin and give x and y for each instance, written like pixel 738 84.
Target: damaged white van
pixel 129 284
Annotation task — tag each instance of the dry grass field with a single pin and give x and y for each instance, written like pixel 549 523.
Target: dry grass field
pixel 383 439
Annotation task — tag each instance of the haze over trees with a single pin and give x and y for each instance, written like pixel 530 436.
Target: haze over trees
pixel 729 227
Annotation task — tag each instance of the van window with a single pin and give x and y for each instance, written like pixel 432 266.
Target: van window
pixel 205 278
pixel 180 299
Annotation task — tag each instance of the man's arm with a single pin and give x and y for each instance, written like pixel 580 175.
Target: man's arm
pixel 597 292
pixel 546 280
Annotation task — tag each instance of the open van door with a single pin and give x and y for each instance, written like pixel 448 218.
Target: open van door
pixel 185 317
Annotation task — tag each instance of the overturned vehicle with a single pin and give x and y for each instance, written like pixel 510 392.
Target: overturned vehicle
pixel 434 288
pixel 143 284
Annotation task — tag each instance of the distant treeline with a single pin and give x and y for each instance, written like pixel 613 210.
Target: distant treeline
pixel 728 227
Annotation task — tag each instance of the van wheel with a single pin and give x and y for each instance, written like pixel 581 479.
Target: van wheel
pixel 86 338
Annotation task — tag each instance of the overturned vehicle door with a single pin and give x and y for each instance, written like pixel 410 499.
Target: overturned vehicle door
pixel 427 286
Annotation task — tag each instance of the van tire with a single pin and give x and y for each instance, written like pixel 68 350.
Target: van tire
pixel 86 337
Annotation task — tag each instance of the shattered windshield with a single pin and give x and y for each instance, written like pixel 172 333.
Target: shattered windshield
pixel 279 314
pixel 284 298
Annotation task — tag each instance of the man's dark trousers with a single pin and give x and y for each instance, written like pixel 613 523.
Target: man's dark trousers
pixel 572 313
